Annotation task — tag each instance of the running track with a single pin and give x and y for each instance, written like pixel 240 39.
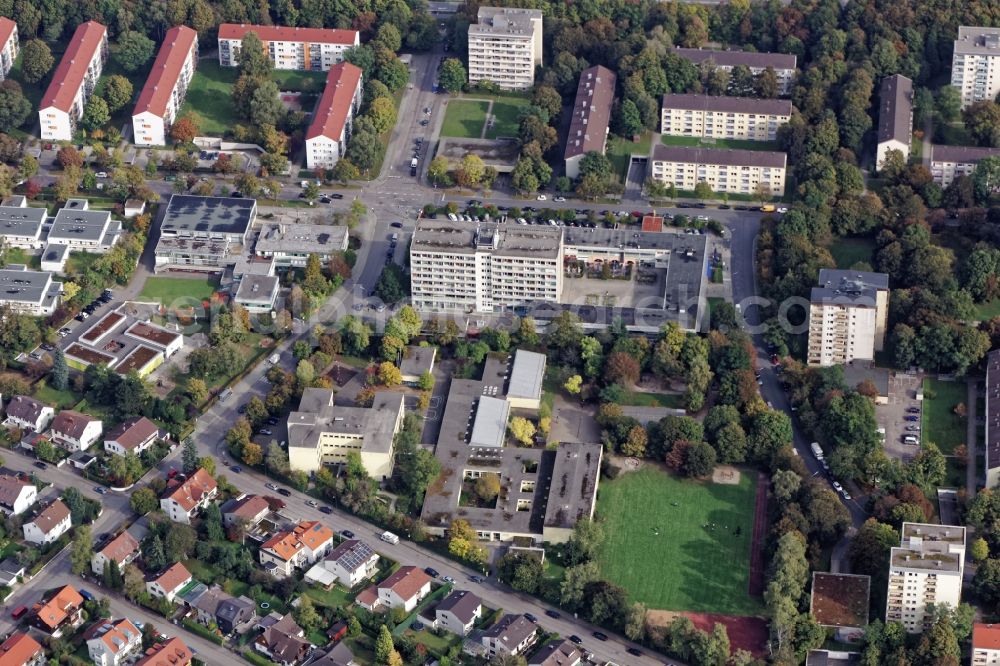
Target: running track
pixel 757 543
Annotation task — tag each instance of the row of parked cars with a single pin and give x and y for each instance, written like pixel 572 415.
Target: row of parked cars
pixel 92 307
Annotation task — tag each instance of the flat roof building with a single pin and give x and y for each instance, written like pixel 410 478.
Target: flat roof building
pixel 505 46
pixel 166 87
pixel 975 64
pixel 73 82
pixel 993 419
pixel 79 228
pixel 203 231
pixel 415 362
pixel 848 314
pixel 588 129
pixel 326 139
pixel 21 227
pixel 257 293
pixel 895 117
pixel 291 244
pixel 720 117
pixel 925 569
pixel 29 292
pixel 748 172
pixel 783 64
pixel 950 162
pixel 309 49
pixel 524 391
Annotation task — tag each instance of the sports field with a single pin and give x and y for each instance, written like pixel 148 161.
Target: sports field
pixel 167 290
pixel 506 112
pixel 464 119
pixel 657 545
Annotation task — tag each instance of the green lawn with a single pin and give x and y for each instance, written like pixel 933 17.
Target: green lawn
pixel 335 597
pixel 988 310
pixel 167 290
pixel 686 566
pixel 849 251
pixel 54 397
pixel 940 424
pixel 642 399
pixel 731 144
pixel 16 255
pixel 464 119
pixel 620 151
pixel 505 112
pixel 294 80
pixel 79 262
pixel 209 98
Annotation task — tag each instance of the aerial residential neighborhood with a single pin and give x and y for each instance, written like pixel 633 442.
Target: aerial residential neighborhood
pixel 539 334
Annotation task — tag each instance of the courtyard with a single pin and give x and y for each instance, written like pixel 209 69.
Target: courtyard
pixel 483 117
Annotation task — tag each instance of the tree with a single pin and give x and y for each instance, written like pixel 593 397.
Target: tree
pixel 699 460
pixel 629 122
pixel 306 615
pixel 452 76
pixel 437 171
pixel 185 129
pixel 382 113
pixel 36 60
pixel 488 487
pixel 979 549
pixel 389 374
pixel 253 57
pixel 383 645
pixel 635 442
pixel 59 377
pixel 81 550
pixel 265 105
pixel 573 385
pixel 549 99
pixel 143 501
pixel 986 179
pixel 470 171
pixel 134 50
pixel 95 114
pixel 197 390
pixel 621 368
pixel 153 552
pixel 949 103
pixel 189 456
pixel 523 430
pixel 982 119
pixel 14 106
pixel 575 582
pixel 133 582
pixel 117 92
pixel 252 454
pixel 68 156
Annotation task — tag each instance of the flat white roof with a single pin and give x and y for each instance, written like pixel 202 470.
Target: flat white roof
pixel 490 424
pixel 526 375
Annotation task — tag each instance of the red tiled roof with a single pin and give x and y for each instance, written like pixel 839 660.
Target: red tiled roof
pixel 406 582
pixel 335 104
pixel 69 74
pixel 280 33
pixel 985 637
pixel 18 650
pixel 173 577
pixel 120 547
pixel 6 30
pixel 191 492
pixel 171 653
pixel 162 79
pixel 54 612
pixel 52 515
pixel 132 433
pixel 71 423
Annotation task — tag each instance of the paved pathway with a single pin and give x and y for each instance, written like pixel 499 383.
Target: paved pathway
pixel 971 436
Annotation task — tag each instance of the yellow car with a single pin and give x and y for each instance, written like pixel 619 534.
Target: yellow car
pixel 767 208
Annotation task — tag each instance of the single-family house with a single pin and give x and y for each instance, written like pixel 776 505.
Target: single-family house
pixel 168 582
pixel 404 589
pixel 17 493
pixel 171 653
pixel 338 655
pixel 60 609
pixel 246 509
pixel 75 431
pixel 557 653
pixel 20 649
pixel 286 551
pixel 133 435
pixel 51 523
pixel 11 571
pixel 352 562
pixel 458 612
pixel 225 610
pixel 28 414
pixel 183 499
pixel 121 550
pixel 113 642
pixel 283 642
pixel 511 635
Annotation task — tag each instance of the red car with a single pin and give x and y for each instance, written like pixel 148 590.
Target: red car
pixel 18 612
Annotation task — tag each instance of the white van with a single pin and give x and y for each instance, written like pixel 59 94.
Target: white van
pixel 817 450
pixel 389 537
pixel 274 358
pixel 910 439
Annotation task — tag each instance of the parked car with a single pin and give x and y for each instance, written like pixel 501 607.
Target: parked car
pixel 236 468
pixel 284 492
pixel 41 465
pixel 635 652
pixel 431 572
pixel 600 635
pixel 448 579
pixel 912 418
pixel 265 431
pixel 397 225
pixel 325 509
pixel 531 618
pixel 271 486
pixel 18 612
pixel 100 490
pixel 347 534
pixel 576 639
pixel 913 410
pixel 553 614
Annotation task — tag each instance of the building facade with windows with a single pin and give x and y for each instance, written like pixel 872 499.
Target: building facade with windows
pixel 330 129
pixel 848 314
pixel 308 49
pixel 950 162
pixel 975 64
pixel 505 46
pixel 925 569
pixel 163 95
pixel 783 64
pixel 717 117
pixel 10 45
pixel 73 82
pixel 29 292
pixel 750 172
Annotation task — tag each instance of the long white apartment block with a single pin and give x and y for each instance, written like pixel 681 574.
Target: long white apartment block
pixel 163 95
pixel 309 49
pixel 10 45
pixel 783 64
pixel 718 117
pixel 925 569
pixel 848 314
pixel 29 292
pixel 73 82
pixel 588 130
pixel 505 46
pixel 326 139
pixel 975 64
pixel 950 162
pixel 729 171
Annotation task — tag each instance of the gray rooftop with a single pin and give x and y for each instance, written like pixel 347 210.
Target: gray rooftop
pixel 527 374
pixel 895 114
pixel 859 288
pixel 961 154
pixel 18 221
pixel 301 238
pixel 25 286
pixel 351 554
pixel 720 156
pixel 511 630
pixel 462 603
pixel 507 240
pixel 993 410
pixel 977 40
pixel 929 532
pixel 729 59
pixel 417 360
pixel 860 371
pixel 257 289
pixel 831 658
pixel 318 414
pixel 574 484
pixel 831 276
pixel 588 129
pixel 724 104
pixel 911 558
pixel 74 223
pixel 55 252
pixel 189 215
pixel 490 425
pixel 505 21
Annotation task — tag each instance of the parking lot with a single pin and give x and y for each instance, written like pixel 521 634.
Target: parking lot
pixel 897 420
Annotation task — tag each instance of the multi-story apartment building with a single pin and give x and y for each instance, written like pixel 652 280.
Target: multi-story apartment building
pixel 505 46
pixel 163 95
pixel 9 45
pixel 459 267
pixel 588 130
pixel 731 171
pixel 847 316
pixel 330 129
pixel 783 64
pixel 29 292
pixel 950 162
pixel 717 117
pixel 975 64
pixel 73 82
pixel 895 117
pixel 925 569
pixel 21 226
pixel 312 49
pixel 985 644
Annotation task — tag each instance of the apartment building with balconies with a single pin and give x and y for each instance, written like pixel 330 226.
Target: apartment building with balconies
pixel 716 117
pixel 163 95
pixel 753 172
pixel 505 46
pixel 985 644
pixel 975 64
pixel 783 64
pixel 330 128
pixel 848 313
pixel 925 569
pixel 304 49
pixel 73 82
pixel 10 45
pixel 950 162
